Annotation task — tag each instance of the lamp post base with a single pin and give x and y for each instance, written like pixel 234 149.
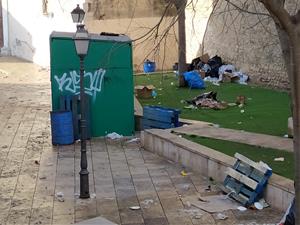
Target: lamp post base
pixel 84 184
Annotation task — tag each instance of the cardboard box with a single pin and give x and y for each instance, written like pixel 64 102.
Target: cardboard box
pixel 144 91
pixel 202 73
pixel 229 77
pixel 204 58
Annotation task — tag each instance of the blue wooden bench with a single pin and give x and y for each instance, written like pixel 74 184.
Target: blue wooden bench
pixel 160 117
pixel 246 180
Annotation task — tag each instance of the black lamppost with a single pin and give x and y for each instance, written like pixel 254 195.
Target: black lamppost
pixel 81 40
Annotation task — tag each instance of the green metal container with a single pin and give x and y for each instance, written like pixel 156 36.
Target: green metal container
pixel 108 79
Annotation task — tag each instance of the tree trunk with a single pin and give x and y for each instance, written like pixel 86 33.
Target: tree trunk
pixel 290 46
pixel 181 46
pixel 295 90
pixel 180 6
pixel 288 32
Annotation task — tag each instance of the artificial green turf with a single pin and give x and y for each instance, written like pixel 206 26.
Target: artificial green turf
pixel 266 111
pixel 257 154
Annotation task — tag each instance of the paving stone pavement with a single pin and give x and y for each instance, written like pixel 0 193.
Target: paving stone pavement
pixel 32 171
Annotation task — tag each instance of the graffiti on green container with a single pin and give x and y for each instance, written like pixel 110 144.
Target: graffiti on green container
pixel 70 82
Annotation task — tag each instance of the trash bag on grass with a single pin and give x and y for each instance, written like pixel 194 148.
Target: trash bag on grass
pixel 194 80
pixel 215 63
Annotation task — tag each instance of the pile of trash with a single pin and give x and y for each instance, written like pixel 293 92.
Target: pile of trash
pixel 212 70
pixel 207 100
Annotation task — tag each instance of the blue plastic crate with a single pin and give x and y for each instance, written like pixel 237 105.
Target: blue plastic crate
pixel 160 117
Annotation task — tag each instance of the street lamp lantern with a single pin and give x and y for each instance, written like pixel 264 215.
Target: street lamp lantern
pixel 81 41
pixel 77 14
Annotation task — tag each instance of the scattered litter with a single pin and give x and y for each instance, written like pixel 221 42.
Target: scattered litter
pixel 159 89
pixel 144 91
pixel 216 125
pixel 185 125
pixel 147 201
pixel 265 165
pixel 159 103
pixel 279 159
pixel 188 204
pixel 198 216
pixel 202 199
pixel 182 101
pixel 132 140
pixel 180 136
pixel 60 196
pixel 114 136
pixel 172 83
pixel 93 195
pixel 221 216
pixel 242 111
pixel 194 213
pixel 249 99
pixel 208 188
pixel 183 173
pixel 212 203
pixel 153 93
pixel 242 208
pixel 206 68
pixel 207 100
pixel 264 203
pixel 186 187
pixel 190 107
pixel 239 122
pixel 213 80
pixel 241 99
pixel 135 207
pixel 241 105
pixel 42 177
pixel 226 69
pixel 231 104
pixel 286 136
pixel 258 205
pixel 36 162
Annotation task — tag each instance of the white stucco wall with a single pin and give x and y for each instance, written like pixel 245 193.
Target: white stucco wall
pixel 197 15
pixel 164 56
pixel 27 29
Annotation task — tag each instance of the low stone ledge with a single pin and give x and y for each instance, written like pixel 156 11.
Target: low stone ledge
pixel 209 162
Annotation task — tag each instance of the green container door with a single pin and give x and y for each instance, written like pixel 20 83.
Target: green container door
pixel 108 80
